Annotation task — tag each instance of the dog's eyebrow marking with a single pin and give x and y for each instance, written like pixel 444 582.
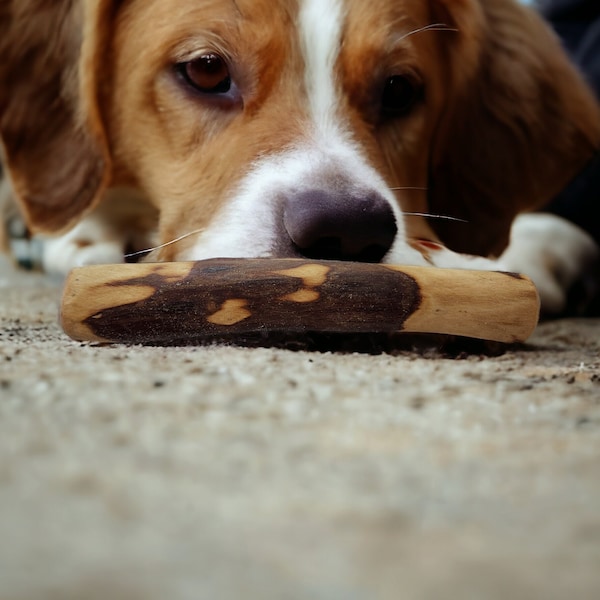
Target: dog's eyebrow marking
pixel 321 31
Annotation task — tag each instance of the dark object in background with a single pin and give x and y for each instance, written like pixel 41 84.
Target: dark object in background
pixel 577 22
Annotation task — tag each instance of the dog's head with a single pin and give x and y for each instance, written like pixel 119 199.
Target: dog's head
pixel 292 127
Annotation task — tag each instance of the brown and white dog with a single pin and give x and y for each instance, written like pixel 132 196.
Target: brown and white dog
pixel 319 128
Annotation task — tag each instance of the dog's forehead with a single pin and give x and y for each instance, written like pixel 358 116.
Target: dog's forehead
pixel 304 19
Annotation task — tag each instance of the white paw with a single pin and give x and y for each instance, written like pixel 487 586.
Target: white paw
pixel 553 252
pixel 91 242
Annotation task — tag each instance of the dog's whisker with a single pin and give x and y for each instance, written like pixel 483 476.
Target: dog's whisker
pixel 148 250
pixel 432 216
pixel 397 189
pixel 428 215
pixel 432 27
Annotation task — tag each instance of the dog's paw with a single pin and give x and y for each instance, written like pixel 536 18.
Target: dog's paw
pixel 557 255
pixel 91 242
pixel 437 255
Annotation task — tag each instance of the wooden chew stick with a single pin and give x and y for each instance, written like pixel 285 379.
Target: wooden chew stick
pixel 162 303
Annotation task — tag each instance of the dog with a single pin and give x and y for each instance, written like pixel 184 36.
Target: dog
pixel 401 131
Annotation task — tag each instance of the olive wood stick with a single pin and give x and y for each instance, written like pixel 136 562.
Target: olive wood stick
pixel 182 302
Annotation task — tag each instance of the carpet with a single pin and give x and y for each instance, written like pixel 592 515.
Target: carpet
pixel 222 472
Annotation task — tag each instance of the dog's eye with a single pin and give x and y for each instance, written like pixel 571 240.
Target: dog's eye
pixel 208 74
pixel 400 94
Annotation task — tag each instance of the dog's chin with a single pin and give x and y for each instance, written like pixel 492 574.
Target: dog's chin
pixel 214 248
pixel 253 245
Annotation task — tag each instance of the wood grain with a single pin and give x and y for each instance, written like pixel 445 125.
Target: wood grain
pixel 164 303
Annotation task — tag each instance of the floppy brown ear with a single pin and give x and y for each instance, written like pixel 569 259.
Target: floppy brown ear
pixel 52 137
pixel 519 122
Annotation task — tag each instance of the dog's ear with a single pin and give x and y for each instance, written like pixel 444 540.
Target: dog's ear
pixel 519 121
pixel 52 136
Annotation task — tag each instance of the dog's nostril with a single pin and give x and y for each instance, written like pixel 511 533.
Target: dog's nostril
pixel 349 227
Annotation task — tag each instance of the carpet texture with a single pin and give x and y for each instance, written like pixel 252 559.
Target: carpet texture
pixel 223 472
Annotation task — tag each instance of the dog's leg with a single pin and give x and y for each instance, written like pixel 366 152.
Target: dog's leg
pixel 95 240
pixel 92 241
pixel 557 255
pixel 122 222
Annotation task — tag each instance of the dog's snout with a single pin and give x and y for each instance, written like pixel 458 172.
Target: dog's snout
pixel 323 225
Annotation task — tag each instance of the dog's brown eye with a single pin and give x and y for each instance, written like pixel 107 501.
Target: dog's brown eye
pixel 208 74
pixel 400 94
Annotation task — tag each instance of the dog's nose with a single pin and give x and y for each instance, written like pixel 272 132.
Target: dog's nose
pixel 328 226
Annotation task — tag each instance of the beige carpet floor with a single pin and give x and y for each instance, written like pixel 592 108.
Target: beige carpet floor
pixel 222 472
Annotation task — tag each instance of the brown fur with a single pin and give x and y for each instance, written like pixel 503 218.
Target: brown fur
pixel 85 103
